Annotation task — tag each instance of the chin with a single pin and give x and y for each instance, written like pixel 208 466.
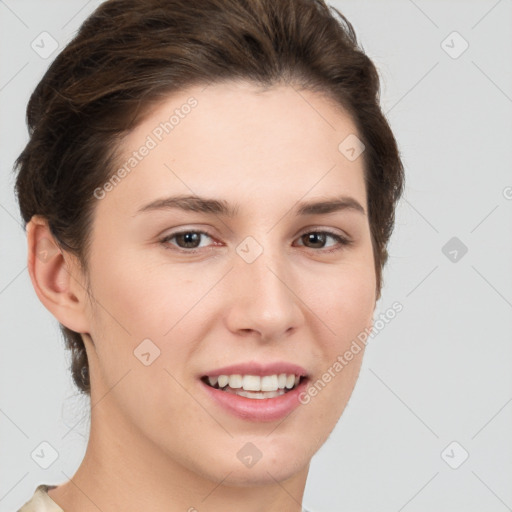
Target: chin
pixel 261 460
pixel 262 473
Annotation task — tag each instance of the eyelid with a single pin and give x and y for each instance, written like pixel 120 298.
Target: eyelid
pixel 331 231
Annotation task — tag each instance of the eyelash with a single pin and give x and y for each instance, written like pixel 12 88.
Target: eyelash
pixel 342 241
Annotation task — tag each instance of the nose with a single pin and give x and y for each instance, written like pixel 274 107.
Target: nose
pixel 263 297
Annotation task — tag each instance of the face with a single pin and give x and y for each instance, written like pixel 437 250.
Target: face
pixel 250 287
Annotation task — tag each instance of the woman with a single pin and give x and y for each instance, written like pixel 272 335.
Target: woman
pixel 208 189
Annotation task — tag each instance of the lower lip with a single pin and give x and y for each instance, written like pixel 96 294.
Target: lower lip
pixel 257 409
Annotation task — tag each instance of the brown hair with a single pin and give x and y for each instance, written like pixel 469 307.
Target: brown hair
pixel 129 54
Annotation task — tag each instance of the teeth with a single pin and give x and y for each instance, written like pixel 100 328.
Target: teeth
pixel 255 383
pixel 269 383
pixel 223 380
pixel 251 383
pixel 235 381
pixel 257 394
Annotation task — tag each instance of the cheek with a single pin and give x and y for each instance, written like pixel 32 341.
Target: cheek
pixel 139 321
pixel 343 302
pixel 148 314
pixel 144 300
pixel 345 308
pixel 357 301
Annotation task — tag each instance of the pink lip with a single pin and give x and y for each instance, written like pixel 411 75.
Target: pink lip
pixel 251 409
pixel 255 368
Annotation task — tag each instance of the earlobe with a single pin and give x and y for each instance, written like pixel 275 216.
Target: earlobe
pixel 55 277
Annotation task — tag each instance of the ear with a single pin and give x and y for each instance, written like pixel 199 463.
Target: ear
pixel 56 277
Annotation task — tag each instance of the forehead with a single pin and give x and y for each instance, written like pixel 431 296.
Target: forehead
pixel 235 139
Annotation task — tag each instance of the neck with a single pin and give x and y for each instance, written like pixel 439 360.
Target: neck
pixel 124 470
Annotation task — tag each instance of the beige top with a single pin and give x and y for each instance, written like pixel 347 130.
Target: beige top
pixel 40 501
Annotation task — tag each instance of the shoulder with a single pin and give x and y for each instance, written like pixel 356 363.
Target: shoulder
pixel 40 501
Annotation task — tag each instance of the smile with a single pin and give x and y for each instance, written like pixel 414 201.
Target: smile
pixel 254 386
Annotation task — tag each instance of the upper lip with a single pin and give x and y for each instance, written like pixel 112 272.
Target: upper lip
pixel 258 368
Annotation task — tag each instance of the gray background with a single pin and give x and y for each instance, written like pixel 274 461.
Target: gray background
pixel 439 372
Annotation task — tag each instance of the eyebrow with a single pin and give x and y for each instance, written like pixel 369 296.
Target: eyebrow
pixel 225 209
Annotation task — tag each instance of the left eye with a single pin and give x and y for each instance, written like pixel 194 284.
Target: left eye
pixel 319 237
pixel 188 241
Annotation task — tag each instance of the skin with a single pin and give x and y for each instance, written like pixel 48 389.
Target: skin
pixel 157 441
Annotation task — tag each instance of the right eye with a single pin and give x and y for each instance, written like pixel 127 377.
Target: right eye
pixel 187 240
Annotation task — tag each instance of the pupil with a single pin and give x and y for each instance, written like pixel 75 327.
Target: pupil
pixel 312 237
pixel 189 238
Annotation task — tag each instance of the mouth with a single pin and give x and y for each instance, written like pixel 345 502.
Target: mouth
pixel 256 391
pixel 255 387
